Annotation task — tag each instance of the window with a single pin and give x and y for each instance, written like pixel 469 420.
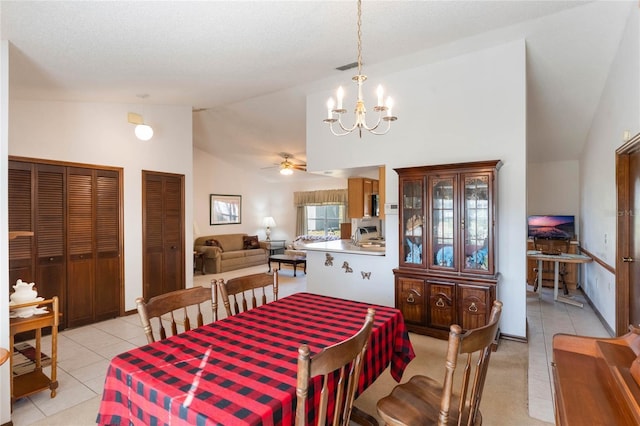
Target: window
pixel 324 220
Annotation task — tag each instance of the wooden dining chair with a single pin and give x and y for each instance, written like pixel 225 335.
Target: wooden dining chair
pixel 424 401
pixel 344 358
pixel 163 307
pixel 241 289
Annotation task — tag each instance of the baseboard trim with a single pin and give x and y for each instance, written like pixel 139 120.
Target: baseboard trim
pixel 598 314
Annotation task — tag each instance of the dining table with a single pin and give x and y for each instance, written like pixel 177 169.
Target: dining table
pixel 242 370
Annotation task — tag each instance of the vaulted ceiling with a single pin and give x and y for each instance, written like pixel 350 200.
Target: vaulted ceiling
pixel 249 64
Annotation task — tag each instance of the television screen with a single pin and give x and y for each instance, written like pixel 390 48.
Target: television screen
pixel 551 226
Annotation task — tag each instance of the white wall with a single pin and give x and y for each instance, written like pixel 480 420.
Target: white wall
pixel 94 133
pixel 468 108
pixel 5 394
pixel 618 110
pixel 260 198
pixel 554 188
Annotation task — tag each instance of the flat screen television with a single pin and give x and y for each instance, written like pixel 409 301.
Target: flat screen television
pixel 551 226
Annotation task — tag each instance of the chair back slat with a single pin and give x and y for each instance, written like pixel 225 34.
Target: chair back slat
pixel 240 291
pixel 164 306
pixel 345 358
pixel 422 400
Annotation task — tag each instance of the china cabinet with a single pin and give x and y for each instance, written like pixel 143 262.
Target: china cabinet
pixel 447 271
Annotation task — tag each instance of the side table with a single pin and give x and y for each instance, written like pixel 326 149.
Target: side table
pixel 36 381
pixel 275 246
pixel 198 256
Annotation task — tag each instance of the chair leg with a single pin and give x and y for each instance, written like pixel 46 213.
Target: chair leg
pixel 361 418
pixel 535 282
pixel 565 289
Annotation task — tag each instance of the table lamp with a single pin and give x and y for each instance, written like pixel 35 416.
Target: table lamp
pixel 268 222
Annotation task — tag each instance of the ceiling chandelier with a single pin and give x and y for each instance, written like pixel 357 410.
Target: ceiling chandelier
pixel 336 110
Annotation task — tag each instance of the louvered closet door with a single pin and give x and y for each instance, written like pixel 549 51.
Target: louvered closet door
pixel 20 206
pixel 107 279
pixel 80 238
pixel 49 234
pixel 163 233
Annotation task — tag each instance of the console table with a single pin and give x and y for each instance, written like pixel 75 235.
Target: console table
pixel 36 380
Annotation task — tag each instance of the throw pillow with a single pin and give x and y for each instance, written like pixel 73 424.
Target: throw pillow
pixel 250 242
pixel 214 243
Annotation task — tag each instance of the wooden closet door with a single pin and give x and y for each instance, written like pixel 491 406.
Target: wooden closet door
pixel 107 279
pixel 50 234
pixel 20 198
pixel 80 239
pixel 163 233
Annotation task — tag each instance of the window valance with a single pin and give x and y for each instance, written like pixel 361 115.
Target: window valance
pixel 326 196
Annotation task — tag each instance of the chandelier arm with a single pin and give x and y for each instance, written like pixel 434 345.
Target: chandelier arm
pixel 347 129
pixel 384 132
pixel 336 133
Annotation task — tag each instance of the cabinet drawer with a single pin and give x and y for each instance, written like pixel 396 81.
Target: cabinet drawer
pixel 410 297
pixel 474 306
pixel 442 304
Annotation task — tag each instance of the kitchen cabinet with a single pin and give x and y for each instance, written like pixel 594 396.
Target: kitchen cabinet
pixel 359 192
pixel 447 272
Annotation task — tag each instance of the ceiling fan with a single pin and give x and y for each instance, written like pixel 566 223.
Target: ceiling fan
pixel 287 166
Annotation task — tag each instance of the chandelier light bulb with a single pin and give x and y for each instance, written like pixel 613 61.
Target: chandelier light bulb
pixel 380 93
pixel 340 96
pixel 330 105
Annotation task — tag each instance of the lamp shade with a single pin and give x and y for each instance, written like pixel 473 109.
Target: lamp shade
pixel 268 222
pixel 144 132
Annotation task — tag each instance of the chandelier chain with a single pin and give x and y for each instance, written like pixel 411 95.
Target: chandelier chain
pixel 359 37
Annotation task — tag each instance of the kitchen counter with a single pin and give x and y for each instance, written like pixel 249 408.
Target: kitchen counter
pixel 346 246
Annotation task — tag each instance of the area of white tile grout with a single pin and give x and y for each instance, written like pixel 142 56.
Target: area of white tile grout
pixel 545 318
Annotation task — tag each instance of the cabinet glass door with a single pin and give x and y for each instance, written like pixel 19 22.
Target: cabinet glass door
pixel 412 221
pixel 442 253
pixel 476 223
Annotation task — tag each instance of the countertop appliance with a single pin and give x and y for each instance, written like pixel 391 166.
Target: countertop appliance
pixel 366 233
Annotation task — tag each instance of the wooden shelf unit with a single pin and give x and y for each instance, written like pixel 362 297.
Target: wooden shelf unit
pixel 36 380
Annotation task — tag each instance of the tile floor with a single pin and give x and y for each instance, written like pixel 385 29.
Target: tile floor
pixel 84 353
pixel 546 318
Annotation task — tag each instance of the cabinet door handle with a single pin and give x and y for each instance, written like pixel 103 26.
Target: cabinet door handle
pixel 627 259
pixel 51 259
pixel 473 307
pixel 440 303
pixel 410 299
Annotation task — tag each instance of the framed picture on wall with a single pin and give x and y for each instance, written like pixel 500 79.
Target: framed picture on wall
pixel 225 209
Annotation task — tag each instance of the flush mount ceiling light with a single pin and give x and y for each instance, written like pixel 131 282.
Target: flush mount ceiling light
pixel 144 132
pixel 383 109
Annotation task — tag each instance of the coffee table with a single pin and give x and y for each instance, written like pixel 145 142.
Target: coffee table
pixel 290 260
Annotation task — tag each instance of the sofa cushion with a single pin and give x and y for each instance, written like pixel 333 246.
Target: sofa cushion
pixel 232 254
pixel 214 243
pixel 250 242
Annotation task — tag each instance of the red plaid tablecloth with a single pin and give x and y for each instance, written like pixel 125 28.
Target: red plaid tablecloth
pixel 242 370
